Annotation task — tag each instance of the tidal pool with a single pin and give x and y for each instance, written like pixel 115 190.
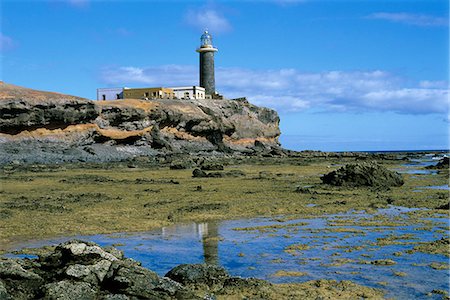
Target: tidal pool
pixel 437 187
pixel 373 250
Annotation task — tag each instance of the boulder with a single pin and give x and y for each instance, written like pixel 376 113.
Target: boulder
pixel 84 270
pixel 211 166
pixel 198 274
pixel 199 173
pixel 16 282
pixel 181 164
pixel 69 290
pixel 443 163
pixel 363 174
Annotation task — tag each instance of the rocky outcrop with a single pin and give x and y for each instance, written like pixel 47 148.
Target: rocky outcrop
pixel 363 174
pixel 444 163
pixel 35 119
pixel 84 270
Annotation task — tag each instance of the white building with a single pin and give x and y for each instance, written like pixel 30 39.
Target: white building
pixel 110 93
pixel 189 92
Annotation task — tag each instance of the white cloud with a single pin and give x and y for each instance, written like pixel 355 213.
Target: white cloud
pixel 6 43
pixel 292 90
pixel 167 75
pixel 440 84
pixel 410 19
pixel 207 18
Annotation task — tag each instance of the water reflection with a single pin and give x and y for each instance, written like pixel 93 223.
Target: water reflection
pixel 207 233
pixel 210 233
pixel 342 254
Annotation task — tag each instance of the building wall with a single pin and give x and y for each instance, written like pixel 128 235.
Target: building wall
pixel 109 93
pixel 189 92
pixel 207 72
pixel 148 93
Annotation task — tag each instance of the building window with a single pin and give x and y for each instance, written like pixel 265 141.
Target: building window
pixel 146 94
pixel 103 97
pixel 117 96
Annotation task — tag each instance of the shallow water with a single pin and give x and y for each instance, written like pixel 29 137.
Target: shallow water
pixel 437 187
pixel 416 166
pixel 260 252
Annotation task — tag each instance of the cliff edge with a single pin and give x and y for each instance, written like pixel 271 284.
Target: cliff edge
pixel 37 126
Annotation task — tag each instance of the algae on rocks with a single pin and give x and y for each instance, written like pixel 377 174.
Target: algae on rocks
pixel 83 270
pixel 367 174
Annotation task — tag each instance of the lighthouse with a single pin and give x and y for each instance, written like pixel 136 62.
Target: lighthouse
pixel 207 51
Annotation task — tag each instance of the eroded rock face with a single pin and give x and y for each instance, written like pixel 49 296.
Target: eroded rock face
pixel 22 109
pixel 164 125
pixel 363 174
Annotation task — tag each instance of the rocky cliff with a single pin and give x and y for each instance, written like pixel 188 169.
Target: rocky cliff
pixel 36 126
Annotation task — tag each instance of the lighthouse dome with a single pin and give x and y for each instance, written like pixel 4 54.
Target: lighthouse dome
pixel 206 39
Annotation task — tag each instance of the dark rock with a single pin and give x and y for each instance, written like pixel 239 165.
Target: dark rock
pixel 363 174
pixel 210 166
pixel 442 164
pixel 69 290
pixel 444 206
pixel 24 109
pixel 17 282
pixel 181 164
pixel 131 279
pixel 233 284
pixel 198 274
pixel 199 173
pixel 304 190
pixel 4 293
pixel 83 270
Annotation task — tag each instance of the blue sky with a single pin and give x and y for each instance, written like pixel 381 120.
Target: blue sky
pixel 343 75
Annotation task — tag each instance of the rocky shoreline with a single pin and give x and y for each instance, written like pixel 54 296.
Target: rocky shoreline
pixel 83 270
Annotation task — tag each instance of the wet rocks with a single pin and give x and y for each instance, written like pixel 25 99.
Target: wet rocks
pixel 363 174
pixel 216 281
pixel 442 164
pixel 383 262
pixel 198 274
pixel 83 270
